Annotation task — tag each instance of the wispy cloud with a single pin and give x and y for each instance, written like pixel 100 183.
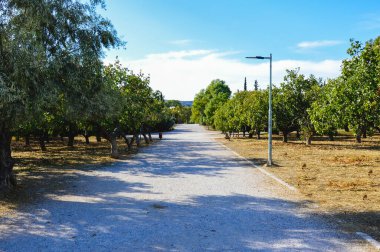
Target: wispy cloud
pixel 318 43
pixel 179 54
pixel 181 42
pixel 181 74
pixel 370 22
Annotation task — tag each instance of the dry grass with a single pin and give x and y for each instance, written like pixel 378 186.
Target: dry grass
pixel 341 176
pixel 39 171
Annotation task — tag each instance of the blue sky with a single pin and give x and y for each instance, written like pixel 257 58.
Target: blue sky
pixel 184 44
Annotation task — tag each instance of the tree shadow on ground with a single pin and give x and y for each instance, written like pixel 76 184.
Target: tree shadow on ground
pixel 204 223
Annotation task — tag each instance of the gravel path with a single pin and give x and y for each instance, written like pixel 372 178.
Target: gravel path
pixel 185 193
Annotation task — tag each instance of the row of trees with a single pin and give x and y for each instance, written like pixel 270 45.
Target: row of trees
pixel 304 104
pixel 53 81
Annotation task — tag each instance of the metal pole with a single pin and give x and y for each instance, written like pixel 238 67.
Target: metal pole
pixel 269 163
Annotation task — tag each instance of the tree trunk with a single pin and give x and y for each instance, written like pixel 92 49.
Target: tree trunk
pixel 70 143
pixel 7 177
pixel 46 136
pixel 128 142
pixel 358 137
pixel 98 138
pixel 114 149
pixel 331 136
pixel 365 133
pixel 87 137
pixel 137 138
pixel 150 136
pixel 250 135
pixel 27 140
pixel 42 142
pixel 346 128
pixel 308 140
pixel 298 136
pixel 258 134
pixel 145 138
pixel 285 136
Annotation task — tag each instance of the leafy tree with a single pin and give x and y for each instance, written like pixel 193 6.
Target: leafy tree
pixel 217 93
pixel 358 98
pixel 39 43
pixel 256 111
pixel 292 101
pixel 325 111
pixel 198 108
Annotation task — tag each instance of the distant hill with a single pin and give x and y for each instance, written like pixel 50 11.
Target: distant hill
pixel 186 103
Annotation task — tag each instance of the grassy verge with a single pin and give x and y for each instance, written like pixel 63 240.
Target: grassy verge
pixel 40 172
pixel 341 176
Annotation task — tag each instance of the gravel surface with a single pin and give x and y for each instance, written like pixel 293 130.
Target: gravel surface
pixel 185 193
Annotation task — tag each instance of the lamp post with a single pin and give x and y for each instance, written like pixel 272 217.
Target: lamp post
pixel 269 162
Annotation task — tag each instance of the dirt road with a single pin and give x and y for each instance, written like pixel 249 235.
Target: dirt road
pixel 185 193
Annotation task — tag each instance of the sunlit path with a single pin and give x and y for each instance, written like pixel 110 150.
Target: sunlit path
pixel 185 193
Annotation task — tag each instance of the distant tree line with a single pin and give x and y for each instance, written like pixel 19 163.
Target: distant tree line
pixel 53 81
pixel 303 104
pixel 179 112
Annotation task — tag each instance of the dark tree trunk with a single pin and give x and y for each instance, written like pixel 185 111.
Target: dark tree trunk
pixel 285 136
pixel 98 138
pixel 308 140
pixel 346 128
pixel 298 136
pixel 137 138
pixel 128 142
pixel 7 177
pixel 62 139
pixel 358 137
pixel 17 137
pixel 243 133
pixel 150 136
pixel 365 133
pixel 250 135
pixel 226 136
pixel 27 140
pixel 46 136
pixel 41 140
pixel 258 134
pixel 71 136
pixel 70 143
pixel 87 137
pixel 331 136
pixel 146 139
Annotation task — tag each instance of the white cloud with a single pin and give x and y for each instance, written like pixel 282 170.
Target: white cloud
pixel 181 74
pixel 319 43
pixel 181 42
pixel 178 54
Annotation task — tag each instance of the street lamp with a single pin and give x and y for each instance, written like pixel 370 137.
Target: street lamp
pixel 269 162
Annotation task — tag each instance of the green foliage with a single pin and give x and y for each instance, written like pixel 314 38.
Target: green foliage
pixel 292 101
pixel 206 102
pixel 325 111
pixel 359 99
pixel 255 111
pixel 198 108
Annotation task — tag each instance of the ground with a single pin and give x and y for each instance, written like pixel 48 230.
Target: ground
pixel 184 193
pixel 342 177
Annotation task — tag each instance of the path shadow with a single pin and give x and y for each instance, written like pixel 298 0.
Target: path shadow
pixel 204 223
